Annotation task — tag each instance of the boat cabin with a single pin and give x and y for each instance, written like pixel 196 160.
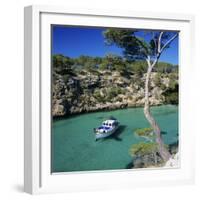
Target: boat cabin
pixel 109 123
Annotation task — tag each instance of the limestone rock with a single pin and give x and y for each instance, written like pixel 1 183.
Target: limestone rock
pixel 103 90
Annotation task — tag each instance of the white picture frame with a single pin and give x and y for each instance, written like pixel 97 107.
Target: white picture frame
pixel 37 145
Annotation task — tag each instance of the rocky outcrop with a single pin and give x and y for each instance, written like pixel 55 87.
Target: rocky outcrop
pixel 173 162
pixel 103 90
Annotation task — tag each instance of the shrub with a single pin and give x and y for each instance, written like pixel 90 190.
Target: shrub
pixel 171 98
pixel 97 95
pixel 138 67
pixel 138 81
pixel 157 80
pixel 66 78
pixel 171 94
pixel 172 84
pixel 103 66
pixel 144 131
pixel 114 92
pixel 142 149
pixel 121 68
pixel 146 155
pixel 62 64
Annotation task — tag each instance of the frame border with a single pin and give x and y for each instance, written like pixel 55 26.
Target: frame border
pixel 32 78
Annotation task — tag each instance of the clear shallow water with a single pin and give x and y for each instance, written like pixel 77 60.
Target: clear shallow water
pixel 74 147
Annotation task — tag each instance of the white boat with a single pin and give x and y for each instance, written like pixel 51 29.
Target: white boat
pixel 107 128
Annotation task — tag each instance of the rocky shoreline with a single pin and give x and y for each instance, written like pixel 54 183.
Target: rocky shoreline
pixel 148 160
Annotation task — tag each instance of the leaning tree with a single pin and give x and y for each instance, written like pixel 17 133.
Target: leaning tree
pixel 148 46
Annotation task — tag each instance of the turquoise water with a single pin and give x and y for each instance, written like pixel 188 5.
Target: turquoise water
pixel 74 147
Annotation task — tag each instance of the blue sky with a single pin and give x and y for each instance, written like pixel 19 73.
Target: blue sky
pixel 76 41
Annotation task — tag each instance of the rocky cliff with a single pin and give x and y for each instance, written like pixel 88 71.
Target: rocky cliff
pixel 106 90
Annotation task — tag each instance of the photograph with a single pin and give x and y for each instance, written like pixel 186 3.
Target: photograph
pixel 114 98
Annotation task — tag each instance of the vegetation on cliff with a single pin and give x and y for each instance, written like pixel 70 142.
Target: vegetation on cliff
pixel 88 84
pixel 146 155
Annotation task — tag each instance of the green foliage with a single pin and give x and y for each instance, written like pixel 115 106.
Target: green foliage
pixel 171 93
pixel 147 154
pixel 138 67
pixel 62 64
pixel 103 66
pixel 66 67
pixel 157 79
pixel 163 87
pixel 158 82
pixel 141 149
pixel 66 78
pixel 113 92
pixel 134 47
pixel 121 68
pixel 172 84
pixel 113 62
pixel 87 62
pixel 109 94
pixel 93 71
pixel 144 131
pixel 163 67
pixel 97 95
pixel 138 81
pixel 172 98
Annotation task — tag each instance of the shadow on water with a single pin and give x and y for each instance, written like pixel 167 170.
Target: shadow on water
pixel 173 147
pixel 129 165
pixel 117 133
pixel 163 133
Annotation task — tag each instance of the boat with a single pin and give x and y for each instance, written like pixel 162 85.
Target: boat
pixel 107 128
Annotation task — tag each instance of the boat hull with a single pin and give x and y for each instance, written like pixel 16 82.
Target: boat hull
pixel 104 135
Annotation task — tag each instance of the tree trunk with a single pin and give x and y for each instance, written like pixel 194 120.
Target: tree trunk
pixel 155 158
pixel 161 147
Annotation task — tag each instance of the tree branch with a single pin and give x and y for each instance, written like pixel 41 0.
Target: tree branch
pixel 154 62
pixel 148 60
pixel 159 42
pixel 168 42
